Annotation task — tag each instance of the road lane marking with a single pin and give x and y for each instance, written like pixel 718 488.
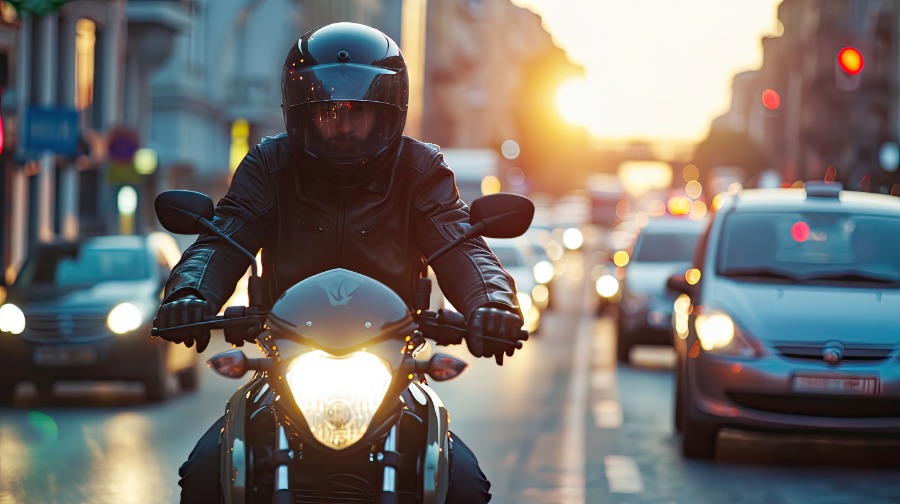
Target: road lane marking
pixel 608 414
pixel 603 379
pixel 572 480
pixel 623 474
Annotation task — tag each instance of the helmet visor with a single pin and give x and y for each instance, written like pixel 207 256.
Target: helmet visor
pixel 344 81
pixel 344 130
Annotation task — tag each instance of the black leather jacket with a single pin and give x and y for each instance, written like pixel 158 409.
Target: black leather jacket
pixel 383 230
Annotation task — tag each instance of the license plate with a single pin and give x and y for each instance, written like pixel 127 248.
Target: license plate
pixel 836 386
pixel 65 356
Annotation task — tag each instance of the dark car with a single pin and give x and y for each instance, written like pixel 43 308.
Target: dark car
pixel 664 246
pixel 83 311
pixel 794 324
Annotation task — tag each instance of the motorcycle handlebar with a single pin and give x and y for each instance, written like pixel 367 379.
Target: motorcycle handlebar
pixel 448 327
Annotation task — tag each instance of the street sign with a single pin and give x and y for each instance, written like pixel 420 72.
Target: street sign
pixel 122 143
pixel 53 129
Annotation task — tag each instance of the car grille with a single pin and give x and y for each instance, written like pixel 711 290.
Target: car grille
pixel 850 353
pixel 835 407
pixel 65 327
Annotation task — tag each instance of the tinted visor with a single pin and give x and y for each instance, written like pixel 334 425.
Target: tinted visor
pixel 344 81
pixel 344 131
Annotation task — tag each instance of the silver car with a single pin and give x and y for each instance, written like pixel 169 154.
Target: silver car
pixel 794 323
pixel 663 247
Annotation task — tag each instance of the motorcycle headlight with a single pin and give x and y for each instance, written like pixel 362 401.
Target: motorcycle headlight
pixel 125 317
pixel 338 396
pixel 12 319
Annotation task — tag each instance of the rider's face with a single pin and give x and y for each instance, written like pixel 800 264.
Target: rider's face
pixel 344 123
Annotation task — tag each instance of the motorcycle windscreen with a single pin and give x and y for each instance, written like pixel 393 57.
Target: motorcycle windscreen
pixel 338 310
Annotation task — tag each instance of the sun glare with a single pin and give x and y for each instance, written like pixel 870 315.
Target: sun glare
pixel 654 69
pixel 572 101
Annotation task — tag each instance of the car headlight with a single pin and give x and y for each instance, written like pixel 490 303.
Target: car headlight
pixel 607 286
pixel 338 396
pixel 12 319
pixel 544 272
pixel 125 317
pixel 718 335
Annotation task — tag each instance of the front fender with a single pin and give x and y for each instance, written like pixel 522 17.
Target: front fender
pixel 435 465
pixel 233 448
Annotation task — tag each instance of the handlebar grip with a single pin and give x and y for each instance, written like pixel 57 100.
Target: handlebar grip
pixel 452 318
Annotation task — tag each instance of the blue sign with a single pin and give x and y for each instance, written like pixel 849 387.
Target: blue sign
pixel 51 129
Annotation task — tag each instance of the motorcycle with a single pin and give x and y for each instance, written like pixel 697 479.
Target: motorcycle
pixel 338 408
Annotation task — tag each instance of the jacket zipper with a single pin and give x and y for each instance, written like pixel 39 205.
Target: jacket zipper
pixel 341 216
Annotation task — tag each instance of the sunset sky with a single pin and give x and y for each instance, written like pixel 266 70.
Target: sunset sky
pixel 655 69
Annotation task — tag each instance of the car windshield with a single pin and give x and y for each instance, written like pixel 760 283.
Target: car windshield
pixel 811 247
pixel 665 246
pixel 64 268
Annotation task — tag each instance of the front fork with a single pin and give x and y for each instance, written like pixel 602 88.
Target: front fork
pixel 282 494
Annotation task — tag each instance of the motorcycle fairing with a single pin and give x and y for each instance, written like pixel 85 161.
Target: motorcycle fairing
pixel 338 310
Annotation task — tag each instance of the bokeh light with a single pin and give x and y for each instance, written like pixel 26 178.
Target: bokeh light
pixel 693 189
pixel 510 149
pixel 690 172
pixel 692 276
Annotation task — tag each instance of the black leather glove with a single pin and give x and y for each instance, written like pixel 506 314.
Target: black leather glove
pixel 486 323
pixel 186 310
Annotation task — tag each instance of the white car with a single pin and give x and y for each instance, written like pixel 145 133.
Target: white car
pixel 516 257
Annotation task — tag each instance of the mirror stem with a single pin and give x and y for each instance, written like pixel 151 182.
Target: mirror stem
pixel 209 225
pixel 473 231
pixel 254 285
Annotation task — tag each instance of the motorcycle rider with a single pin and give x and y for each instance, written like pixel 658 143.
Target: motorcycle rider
pixel 342 187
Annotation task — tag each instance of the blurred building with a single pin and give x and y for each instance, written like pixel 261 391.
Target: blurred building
pixel 816 115
pixel 74 103
pixel 492 72
pixel 131 97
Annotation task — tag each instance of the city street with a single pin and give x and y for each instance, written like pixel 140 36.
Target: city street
pixel 558 423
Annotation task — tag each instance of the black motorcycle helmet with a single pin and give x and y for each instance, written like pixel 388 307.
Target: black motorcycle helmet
pixel 344 94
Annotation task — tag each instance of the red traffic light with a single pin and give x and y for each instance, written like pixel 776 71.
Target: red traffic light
pixel 850 60
pixel 771 99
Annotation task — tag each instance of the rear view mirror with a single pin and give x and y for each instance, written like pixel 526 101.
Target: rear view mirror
pixel 679 284
pixel 180 211
pixel 502 215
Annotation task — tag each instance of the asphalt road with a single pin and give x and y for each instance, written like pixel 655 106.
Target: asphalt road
pixel 558 423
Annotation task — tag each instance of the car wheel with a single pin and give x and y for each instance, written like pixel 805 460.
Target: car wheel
pixel 698 439
pixel 44 390
pixel 189 379
pixel 156 383
pixel 7 393
pixel 623 345
pixel 678 403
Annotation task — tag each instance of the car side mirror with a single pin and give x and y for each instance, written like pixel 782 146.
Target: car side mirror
pixel 183 212
pixel 679 284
